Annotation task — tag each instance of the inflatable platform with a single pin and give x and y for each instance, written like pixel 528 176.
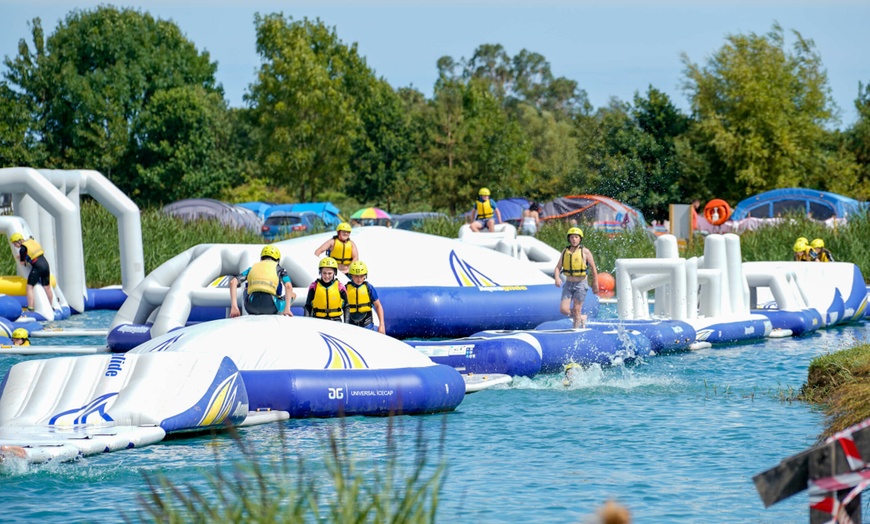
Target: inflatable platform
pixel 235 371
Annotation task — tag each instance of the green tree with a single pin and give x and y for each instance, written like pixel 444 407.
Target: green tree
pixel 761 111
pixel 553 152
pixel 857 141
pixel 87 84
pixel 18 145
pixel 188 132
pixel 303 105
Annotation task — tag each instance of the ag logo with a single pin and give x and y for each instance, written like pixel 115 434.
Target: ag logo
pixel 91 413
pixel 336 393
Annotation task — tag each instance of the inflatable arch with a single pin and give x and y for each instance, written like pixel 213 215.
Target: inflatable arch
pixel 48 200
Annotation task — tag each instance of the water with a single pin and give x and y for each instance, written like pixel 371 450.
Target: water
pixel 675 438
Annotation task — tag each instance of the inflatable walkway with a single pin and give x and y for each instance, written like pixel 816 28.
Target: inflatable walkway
pixel 247 370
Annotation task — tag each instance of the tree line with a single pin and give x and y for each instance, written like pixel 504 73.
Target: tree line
pixel 131 96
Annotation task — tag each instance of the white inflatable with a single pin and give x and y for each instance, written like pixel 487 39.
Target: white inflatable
pixel 48 201
pixel 395 259
pixel 522 247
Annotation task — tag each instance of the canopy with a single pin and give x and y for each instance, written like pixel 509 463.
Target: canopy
pixel 208 208
pixel 511 209
pixel 818 205
pixel 370 212
pixel 600 211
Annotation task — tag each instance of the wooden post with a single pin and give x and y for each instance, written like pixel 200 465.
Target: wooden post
pixel 825 460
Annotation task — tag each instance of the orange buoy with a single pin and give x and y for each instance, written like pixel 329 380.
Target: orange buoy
pixel 717 211
pixel 606 284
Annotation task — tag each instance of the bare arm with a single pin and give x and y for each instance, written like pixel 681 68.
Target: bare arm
pixel 557 271
pixel 593 271
pixel 498 214
pixel 382 328
pixel 354 254
pixel 234 306
pixel 323 247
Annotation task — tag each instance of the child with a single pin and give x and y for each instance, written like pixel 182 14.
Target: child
pixel 327 297
pixel 340 247
pixel 362 297
pixel 20 337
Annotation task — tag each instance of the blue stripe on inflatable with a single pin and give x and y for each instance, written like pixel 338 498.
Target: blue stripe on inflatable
pixel 125 337
pixel 738 331
pixel 439 312
pixel 837 310
pixel 665 336
pixel 225 402
pixel 799 322
pixel 856 299
pixel 583 346
pixel 10 307
pixel 507 355
pixel 112 299
pixel 331 393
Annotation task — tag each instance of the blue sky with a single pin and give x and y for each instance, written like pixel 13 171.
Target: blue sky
pixel 612 49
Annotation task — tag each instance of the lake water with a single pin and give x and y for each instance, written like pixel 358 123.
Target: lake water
pixel 675 438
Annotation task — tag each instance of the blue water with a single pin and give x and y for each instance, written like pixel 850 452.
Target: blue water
pixel 675 438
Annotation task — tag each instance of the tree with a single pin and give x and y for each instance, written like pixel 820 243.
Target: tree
pixel 761 112
pixel 85 86
pixel 857 142
pixel 303 105
pixel 185 154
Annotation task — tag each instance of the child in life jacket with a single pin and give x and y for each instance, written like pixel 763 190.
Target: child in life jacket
pixel 362 298
pixel 327 297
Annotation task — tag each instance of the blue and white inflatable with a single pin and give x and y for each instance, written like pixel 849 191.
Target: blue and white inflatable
pixel 241 371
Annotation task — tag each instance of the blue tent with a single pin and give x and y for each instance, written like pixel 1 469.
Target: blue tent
pixel 325 210
pixel 819 205
pixel 259 208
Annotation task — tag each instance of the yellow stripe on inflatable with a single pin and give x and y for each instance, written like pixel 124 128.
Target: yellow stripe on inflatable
pixel 15 285
pixel 220 402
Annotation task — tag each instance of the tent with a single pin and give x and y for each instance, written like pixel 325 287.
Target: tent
pixel 600 211
pixel 259 208
pixel 819 205
pixel 208 208
pixel 325 210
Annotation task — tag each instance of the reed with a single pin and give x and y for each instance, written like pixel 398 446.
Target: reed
pixel 272 488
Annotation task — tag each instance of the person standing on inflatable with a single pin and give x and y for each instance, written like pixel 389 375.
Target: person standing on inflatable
pixel 20 337
pixel 531 219
pixel 485 210
pixel 340 248
pixel 30 252
pixel 576 262
pixel 266 283
pixel 362 297
pixel 327 297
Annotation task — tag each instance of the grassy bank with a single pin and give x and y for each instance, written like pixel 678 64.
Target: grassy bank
pixel 164 237
pixel 840 382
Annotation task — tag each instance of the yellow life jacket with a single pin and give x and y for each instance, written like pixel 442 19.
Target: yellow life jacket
pixel 327 301
pixel 34 250
pixel 358 299
pixel 263 277
pixel 825 256
pixel 484 209
pixel 574 264
pixel 342 252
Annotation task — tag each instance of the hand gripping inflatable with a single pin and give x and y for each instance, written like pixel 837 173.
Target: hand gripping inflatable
pixel 717 211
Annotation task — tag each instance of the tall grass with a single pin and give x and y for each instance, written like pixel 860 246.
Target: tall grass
pixel 840 382
pixel 271 488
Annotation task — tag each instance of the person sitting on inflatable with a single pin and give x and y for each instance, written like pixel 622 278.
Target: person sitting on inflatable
pixel 819 252
pixel 802 250
pixel 484 211
pixel 30 252
pixel 327 297
pixel 20 337
pixel 266 283
pixel 575 261
pixel 361 298
pixel 340 247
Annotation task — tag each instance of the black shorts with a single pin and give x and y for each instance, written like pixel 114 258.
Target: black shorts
pixel 39 272
pixel 258 303
pixel 361 319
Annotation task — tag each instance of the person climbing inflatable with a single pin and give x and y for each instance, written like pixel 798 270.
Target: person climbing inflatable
pixel 340 247
pixel 362 298
pixel 30 252
pixel 327 297
pixel 266 283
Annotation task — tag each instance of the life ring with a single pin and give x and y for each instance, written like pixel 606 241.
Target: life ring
pixel 717 211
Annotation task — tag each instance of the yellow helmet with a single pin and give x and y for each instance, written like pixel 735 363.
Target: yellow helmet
pixel 803 240
pixel 358 267
pixel 16 237
pixel 572 365
pixel 344 226
pixel 818 243
pixel 800 246
pixel 575 231
pixel 21 333
pixel 328 262
pixel 271 252
pixel 483 192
